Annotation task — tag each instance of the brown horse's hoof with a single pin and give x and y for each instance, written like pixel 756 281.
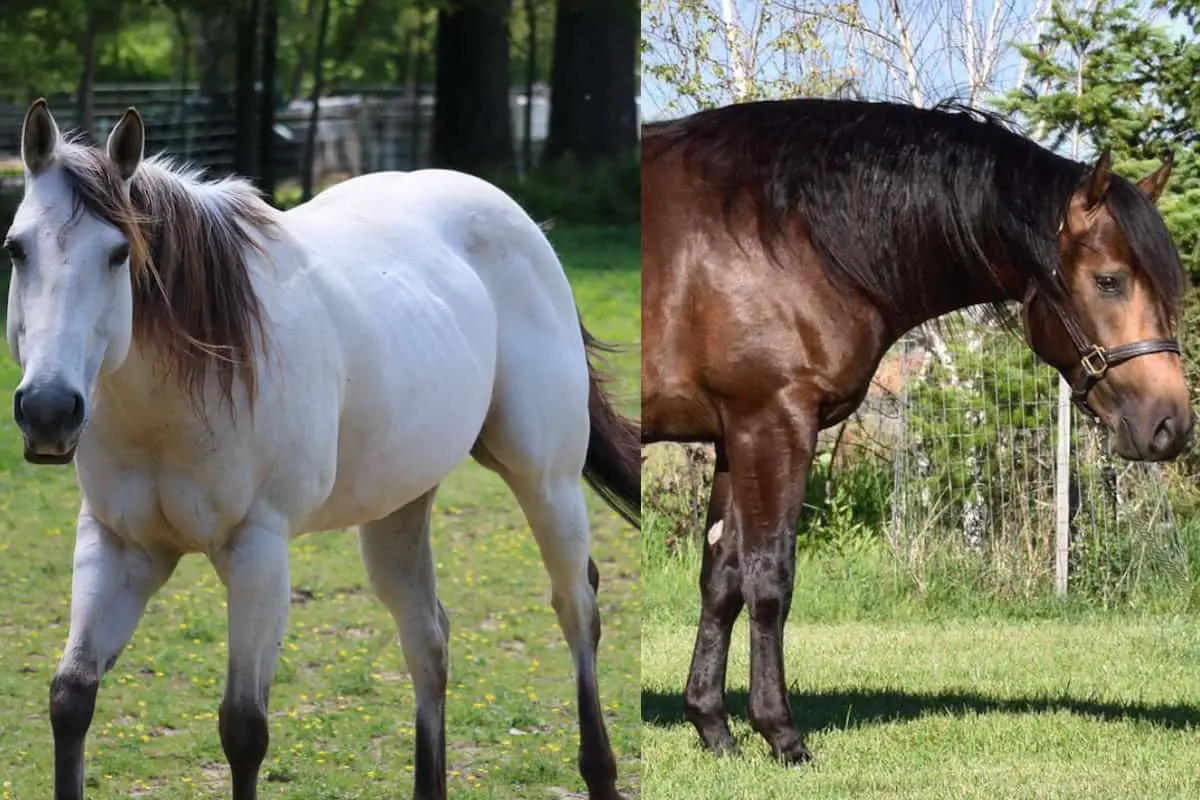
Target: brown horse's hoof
pixel 725 748
pixel 794 755
pixel 716 737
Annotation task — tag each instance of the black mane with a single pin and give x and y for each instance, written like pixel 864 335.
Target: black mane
pixel 891 195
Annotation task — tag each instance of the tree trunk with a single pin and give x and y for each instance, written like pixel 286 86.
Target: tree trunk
pixel 297 82
pixel 245 111
pixel 266 107
pixel 179 16
pixel 215 42
pixel 414 86
pixel 85 90
pixel 310 135
pixel 472 121
pixel 530 79
pixel 593 110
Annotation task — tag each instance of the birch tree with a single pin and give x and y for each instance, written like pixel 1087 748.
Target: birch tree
pixel 700 54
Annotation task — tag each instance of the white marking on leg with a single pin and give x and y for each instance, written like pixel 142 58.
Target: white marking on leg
pixel 714 533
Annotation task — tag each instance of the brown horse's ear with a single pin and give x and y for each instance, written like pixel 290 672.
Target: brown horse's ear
pixel 127 142
pixel 1154 183
pixel 1098 181
pixel 39 137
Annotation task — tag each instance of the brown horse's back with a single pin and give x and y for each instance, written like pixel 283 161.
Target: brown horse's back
pixel 725 325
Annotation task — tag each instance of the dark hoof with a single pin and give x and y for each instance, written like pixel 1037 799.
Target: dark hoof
pixel 719 742
pixel 725 749
pixel 608 793
pixel 794 755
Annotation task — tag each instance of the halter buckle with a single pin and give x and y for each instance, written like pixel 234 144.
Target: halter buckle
pixel 1095 362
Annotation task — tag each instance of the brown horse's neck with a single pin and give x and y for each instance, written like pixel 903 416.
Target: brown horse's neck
pixel 950 288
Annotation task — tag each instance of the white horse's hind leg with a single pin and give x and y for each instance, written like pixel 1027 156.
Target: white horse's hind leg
pixel 111 585
pixel 399 559
pixel 555 508
pixel 536 440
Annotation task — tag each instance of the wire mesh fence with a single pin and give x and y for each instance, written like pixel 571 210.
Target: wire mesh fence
pixel 359 129
pixel 950 459
pixel 975 470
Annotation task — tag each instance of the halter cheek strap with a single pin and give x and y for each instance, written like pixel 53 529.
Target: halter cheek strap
pixel 1094 359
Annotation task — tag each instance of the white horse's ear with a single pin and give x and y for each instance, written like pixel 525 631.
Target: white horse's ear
pixel 39 137
pixel 127 142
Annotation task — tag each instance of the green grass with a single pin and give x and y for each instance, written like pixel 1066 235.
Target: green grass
pixel 945 694
pixel 960 708
pixel 341 709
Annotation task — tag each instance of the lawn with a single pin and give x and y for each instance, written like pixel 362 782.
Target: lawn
pixel 951 697
pixel 342 710
pixel 1098 708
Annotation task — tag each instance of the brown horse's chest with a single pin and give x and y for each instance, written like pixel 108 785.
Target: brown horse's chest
pixel 722 336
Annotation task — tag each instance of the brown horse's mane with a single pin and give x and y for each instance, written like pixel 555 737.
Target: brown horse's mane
pixel 188 244
pixel 895 198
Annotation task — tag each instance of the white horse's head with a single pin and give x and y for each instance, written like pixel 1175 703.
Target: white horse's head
pixel 70 304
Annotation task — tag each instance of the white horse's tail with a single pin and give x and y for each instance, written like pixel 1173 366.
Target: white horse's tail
pixel 613 466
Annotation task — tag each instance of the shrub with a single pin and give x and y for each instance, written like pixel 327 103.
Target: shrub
pixel 604 194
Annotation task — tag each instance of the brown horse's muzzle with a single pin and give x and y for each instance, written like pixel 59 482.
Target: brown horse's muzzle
pixel 1162 429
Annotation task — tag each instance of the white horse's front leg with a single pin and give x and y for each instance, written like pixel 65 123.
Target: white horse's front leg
pixel 254 569
pixel 111 585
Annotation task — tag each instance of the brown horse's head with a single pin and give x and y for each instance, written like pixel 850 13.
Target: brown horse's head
pixel 1107 319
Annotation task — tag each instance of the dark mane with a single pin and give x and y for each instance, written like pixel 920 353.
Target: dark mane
pixel 891 195
pixel 188 240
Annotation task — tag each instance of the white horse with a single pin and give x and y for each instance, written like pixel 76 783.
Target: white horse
pixel 226 377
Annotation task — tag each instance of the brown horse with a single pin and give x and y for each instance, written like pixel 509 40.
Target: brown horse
pixel 786 245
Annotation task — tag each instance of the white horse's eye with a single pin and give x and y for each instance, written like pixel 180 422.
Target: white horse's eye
pixel 15 251
pixel 119 256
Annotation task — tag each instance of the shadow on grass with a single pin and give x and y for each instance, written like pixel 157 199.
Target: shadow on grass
pixel 855 708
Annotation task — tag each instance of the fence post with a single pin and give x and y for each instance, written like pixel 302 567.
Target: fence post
pixel 1062 489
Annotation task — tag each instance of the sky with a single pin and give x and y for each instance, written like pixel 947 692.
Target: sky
pixel 944 73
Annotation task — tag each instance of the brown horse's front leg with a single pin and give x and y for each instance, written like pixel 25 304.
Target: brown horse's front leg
pixel 721 602
pixel 769 457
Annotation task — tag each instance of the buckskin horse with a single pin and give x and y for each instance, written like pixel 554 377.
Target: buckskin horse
pixel 227 376
pixel 786 245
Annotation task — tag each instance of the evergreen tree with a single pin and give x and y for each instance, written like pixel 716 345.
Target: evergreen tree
pixel 1117 81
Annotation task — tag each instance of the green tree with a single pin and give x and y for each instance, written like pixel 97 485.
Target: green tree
pixel 709 53
pixel 1114 80
pixel 1098 73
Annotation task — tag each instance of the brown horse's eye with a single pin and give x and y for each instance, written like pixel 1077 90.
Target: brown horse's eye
pixel 1109 284
pixel 118 256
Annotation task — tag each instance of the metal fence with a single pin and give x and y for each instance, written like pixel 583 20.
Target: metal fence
pixel 359 130
pixel 976 469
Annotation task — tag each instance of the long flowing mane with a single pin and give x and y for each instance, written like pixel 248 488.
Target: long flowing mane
pixel 895 197
pixel 188 242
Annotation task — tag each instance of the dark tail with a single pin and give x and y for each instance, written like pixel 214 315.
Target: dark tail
pixel 614 455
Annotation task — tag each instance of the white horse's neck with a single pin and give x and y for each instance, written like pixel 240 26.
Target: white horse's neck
pixel 142 398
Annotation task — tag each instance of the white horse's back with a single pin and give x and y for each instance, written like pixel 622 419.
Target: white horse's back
pixel 443 296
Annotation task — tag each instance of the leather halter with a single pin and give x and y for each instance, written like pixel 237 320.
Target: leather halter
pixel 1094 359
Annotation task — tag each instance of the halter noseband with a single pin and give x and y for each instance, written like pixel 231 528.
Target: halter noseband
pixel 1094 359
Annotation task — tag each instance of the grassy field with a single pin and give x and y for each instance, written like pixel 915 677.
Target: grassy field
pixel 903 697
pixel 342 709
